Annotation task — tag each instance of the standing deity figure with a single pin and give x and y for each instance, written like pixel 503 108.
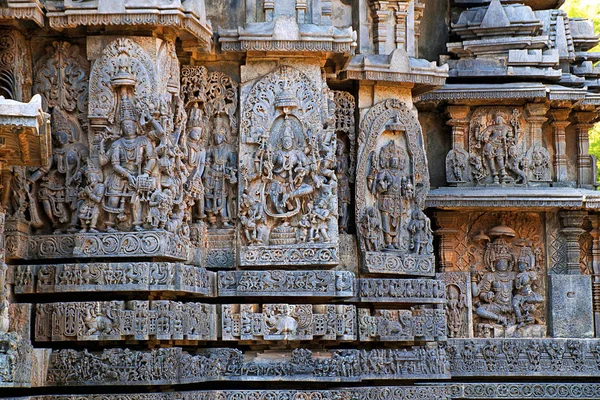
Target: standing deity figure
pixel 91 196
pixel 454 307
pixel 494 139
pixel 194 155
pixel 219 176
pixel 420 230
pixel 343 178
pixel 494 290
pixel 59 186
pixel 385 182
pixel 370 229
pixel 133 159
pixel 525 298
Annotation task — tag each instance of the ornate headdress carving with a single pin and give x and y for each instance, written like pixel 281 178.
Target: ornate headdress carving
pixel 127 110
pixel 61 123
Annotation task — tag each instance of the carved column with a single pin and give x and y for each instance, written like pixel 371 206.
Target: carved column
pixel 4 321
pixel 446 220
pixel 536 116
pixel 571 222
pixel 401 13
pixel 585 167
pixel 459 123
pixel 595 233
pixel 380 12
pixel 458 156
pixel 559 124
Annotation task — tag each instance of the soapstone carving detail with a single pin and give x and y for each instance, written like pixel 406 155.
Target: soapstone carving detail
pixel 210 100
pixel 402 325
pixel 286 283
pixel 288 183
pixel 118 320
pixel 288 322
pixel 392 182
pixel 114 277
pixel 345 155
pixel 497 152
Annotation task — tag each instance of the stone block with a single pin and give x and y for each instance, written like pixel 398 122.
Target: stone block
pixel 571 313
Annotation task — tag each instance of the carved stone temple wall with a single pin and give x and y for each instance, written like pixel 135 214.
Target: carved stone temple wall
pixel 298 199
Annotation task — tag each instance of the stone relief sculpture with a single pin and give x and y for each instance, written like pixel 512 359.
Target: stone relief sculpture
pixel 395 235
pixel 497 154
pixel 210 100
pixel 136 170
pixel 288 322
pixel 345 155
pixel 287 171
pixel 504 299
pixel 62 80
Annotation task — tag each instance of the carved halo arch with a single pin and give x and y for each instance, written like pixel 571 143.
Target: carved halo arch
pixel 260 110
pixel 373 125
pixel 103 101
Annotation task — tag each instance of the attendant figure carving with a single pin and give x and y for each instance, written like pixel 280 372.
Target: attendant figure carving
pixel 385 182
pixel 91 196
pixel 59 185
pixel 219 176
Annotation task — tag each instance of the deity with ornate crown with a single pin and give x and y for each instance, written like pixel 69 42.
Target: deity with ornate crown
pixel 60 184
pixel 385 181
pixel 290 173
pixel 220 175
pixel 132 161
pixel 493 290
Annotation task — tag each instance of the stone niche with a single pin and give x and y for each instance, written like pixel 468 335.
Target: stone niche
pixel 392 181
pixel 496 284
pixel 497 146
pixel 288 201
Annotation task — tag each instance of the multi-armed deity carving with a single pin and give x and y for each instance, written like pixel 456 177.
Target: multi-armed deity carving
pixel 502 149
pixel 135 173
pixel 392 182
pixel 506 291
pixel 288 183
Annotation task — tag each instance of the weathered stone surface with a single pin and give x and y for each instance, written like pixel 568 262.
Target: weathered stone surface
pixel 402 325
pixel 172 365
pixel 286 283
pixel 255 209
pixel 571 314
pixel 118 320
pixel 114 277
pixel 288 322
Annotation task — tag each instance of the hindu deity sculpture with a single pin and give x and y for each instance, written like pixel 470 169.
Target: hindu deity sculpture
pixel 133 160
pixel 219 176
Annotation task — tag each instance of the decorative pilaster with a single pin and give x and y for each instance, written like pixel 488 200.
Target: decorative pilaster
pixel 595 233
pixel 380 12
pixel 457 165
pixel 446 220
pixel 571 222
pixel 4 290
pixel 585 167
pixel 559 124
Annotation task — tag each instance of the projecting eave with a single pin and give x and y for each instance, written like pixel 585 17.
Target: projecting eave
pixel 397 67
pixel 523 198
